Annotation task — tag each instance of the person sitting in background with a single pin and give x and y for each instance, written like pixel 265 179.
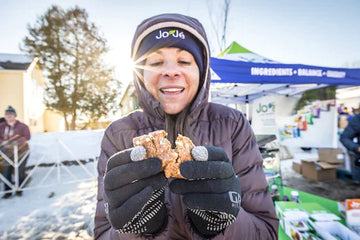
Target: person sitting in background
pixel 12 131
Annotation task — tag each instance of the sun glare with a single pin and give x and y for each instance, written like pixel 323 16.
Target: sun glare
pixel 139 66
pixel 124 68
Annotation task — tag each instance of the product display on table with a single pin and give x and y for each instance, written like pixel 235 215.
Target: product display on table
pixel 311 221
pixel 352 208
pixel 134 190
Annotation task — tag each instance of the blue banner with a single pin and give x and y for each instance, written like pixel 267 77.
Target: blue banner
pixel 276 73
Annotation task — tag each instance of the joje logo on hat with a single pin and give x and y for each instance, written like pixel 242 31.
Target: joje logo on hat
pixel 173 33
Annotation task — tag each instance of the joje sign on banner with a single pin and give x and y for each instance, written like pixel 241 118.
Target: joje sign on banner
pixel 265 108
pixel 264 116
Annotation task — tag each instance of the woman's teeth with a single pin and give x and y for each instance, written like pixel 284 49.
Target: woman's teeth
pixel 171 90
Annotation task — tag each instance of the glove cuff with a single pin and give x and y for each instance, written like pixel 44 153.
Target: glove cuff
pixel 210 223
pixel 151 219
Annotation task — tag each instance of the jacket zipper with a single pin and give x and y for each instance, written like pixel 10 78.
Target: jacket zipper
pixel 174 125
pixel 170 125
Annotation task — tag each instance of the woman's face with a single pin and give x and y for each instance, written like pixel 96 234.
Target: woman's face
pixel 171 76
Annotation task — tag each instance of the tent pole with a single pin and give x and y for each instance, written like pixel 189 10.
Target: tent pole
pixel 247 107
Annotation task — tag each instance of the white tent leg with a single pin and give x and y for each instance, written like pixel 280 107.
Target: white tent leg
pixel 247 110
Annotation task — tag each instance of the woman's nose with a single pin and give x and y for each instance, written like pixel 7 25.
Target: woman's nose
pixel 170 70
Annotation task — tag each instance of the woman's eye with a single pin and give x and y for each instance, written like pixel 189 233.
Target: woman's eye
pixel 154 64
pixel 185 62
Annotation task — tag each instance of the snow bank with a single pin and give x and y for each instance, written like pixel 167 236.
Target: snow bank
pixel 64 146
pixel 64 211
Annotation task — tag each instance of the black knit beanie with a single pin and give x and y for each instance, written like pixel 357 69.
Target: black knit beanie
pixel 172 37
pixel 10 110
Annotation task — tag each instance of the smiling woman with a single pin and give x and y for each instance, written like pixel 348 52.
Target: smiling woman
pixel 135 199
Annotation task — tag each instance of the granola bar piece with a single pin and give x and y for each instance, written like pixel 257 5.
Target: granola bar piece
pixel 173 170
pixel 163 148
pixel 183 147
pixel 147 143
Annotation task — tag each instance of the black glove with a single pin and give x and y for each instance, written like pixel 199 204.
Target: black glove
pixel 211 191
pixel 134 194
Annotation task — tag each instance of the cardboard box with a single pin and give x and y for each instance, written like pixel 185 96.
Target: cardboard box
pixel 331 155
pixel 297 167
pixel 318 171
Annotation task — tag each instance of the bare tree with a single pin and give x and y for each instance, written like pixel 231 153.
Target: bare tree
pixel 219 19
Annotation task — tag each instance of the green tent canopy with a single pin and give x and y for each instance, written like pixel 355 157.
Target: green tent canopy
pixel 237 52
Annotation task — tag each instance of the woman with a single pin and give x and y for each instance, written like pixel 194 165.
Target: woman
pixel 135 200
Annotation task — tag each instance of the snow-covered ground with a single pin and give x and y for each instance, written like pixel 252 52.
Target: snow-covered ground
pixel 60 211
pixel 57 203
pixel 62 146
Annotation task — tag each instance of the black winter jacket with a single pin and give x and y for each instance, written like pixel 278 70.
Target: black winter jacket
pixel 352 131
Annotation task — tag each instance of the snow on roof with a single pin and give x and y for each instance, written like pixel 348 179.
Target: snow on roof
pixel 15 58
pixel 11 61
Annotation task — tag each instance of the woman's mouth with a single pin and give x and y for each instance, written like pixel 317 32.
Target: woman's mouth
pixel 171 90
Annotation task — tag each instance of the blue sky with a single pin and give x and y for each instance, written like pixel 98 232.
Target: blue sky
pixel 321 32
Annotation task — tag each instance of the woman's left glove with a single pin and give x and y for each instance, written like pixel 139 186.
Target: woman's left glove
pixel 211 190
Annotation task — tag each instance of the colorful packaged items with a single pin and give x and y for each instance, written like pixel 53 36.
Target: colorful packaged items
pixel 353 214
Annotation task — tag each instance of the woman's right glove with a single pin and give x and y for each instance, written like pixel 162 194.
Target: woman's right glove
pixel 134 194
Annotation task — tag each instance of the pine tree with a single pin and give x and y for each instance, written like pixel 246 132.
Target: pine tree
pixel 71 51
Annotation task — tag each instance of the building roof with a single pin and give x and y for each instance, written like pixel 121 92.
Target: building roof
pixel 129 90
pixel 9 61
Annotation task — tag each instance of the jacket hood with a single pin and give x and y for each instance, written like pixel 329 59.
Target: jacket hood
pixel 191 25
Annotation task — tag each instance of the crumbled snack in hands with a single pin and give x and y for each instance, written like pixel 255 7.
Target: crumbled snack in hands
pixel 147 143
pixel 183 148
pixel 157 145
pixel 163 148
